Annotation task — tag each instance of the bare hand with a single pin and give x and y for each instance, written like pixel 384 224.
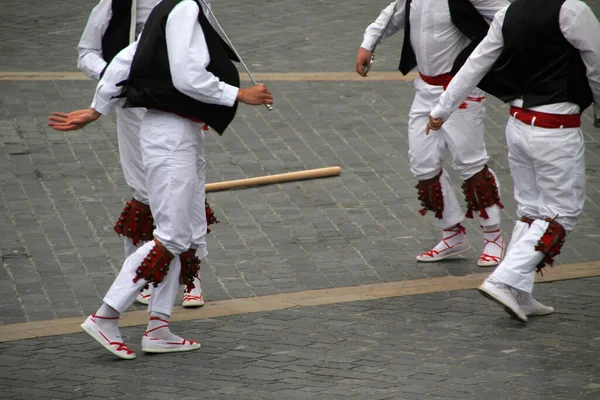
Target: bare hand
pixel 434 124
pixel 74 120
pixel 255 95
pixel 363 59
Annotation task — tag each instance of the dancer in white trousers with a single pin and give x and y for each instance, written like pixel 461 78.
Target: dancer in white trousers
pixel 111 26
pixel 548 53
pixel 181 70
pixel 434 41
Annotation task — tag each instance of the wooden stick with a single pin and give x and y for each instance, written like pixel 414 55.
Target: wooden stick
pixel 271 179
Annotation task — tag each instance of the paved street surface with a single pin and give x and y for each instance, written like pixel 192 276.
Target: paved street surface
pixel 60 194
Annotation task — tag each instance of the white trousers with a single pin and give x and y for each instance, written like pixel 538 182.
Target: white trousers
pixel 548 171
pixel 172 150
pixel 128 135
pixel 461 136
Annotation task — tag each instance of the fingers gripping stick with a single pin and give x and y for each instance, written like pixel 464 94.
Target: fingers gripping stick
pixel 269 106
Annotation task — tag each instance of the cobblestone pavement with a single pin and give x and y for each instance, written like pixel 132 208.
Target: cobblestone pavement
pixel 60 193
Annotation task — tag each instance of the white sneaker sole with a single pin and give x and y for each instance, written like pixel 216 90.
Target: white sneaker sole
pixel 509 310
pixel 487 263
pixel 106 345
pixel 171 350
pixel 436 259
pixel 192 304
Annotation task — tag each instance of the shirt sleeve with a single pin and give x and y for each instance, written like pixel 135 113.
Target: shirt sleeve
pixel 581 28
pixel 118 70
pixel 189 57
pixel 476 67
pixel 376 29
pixel 89 60
pixel 489 8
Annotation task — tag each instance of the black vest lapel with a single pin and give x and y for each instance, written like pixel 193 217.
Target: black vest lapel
pixel 408 60
pixel 116 37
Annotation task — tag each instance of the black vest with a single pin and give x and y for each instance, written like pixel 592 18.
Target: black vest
pixel 538 64
pixel 150 84
pixel 116 37
pixel 468 21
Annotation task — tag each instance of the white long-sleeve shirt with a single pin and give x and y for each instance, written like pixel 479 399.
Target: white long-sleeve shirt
pixel 90 60
pixel 188 59
pixel 436 41
pixel 578 25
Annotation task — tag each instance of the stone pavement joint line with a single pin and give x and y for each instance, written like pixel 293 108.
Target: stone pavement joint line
pixel 62 326
pixel 259 76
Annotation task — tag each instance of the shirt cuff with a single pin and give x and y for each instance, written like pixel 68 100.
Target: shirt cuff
pixel 369 42
pixel 439 112
pixel 103 107
pixel 229 95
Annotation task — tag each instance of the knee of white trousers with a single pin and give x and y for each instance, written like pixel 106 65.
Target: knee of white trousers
pixel 518 267
pixel 130 248
pixel 201 251
pixel 518 231
pixel 466 171
pixel 164 295
pixel 176 244
pixel 494 216
pixel 141 194
pixel 124 290
pixel 425 174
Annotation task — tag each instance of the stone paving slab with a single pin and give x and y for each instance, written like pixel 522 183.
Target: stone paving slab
pixel 438 346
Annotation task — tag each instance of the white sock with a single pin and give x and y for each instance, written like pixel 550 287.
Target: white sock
pixel 158 327
pixel 107 319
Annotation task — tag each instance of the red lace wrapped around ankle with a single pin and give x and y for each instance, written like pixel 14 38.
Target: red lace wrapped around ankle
pixel 481 191
pixel 210 216
pixel 155 266
pixel 431 196
pixel 136 222
pixel 190 267
pixel 551 242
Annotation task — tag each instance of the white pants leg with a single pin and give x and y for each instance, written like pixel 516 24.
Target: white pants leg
pixel 128 135
pixel 171 146
pixel 548 170
pixel 199 215
pixel 124 290
pixel 461 135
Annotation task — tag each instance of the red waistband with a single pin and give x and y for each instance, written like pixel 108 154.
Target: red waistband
pixel 545 120
pixel 440 80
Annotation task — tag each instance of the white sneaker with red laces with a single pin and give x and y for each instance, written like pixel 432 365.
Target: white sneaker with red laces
pixel 144 295
pixel 453 243
pixel 493 249
pixel 112 344
pixel 194 297
pixel 164 341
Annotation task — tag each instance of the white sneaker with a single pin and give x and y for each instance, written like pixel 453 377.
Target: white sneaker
pixel 119 349
pixel 194 297
pixel 531 307
pixel 155 345
pixel 505 296
pixel 453 243
pixel 143 296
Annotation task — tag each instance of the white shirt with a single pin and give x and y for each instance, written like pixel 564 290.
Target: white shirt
pixel 90 60
pixel 435 40
pixel 188 59
pixel 578 25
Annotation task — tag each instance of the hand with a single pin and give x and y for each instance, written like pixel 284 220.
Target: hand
pixel 597 122
pixel 256 95
pixel 434 124
pixel 363 59
pixel 74 120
